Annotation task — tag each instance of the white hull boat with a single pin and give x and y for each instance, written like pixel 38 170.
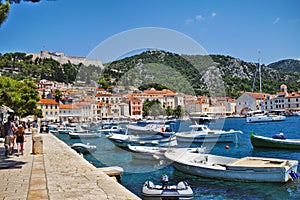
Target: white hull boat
pixel 155 140
pixel 107 129
pixel 84 148
pixel 248 169
pixel 264 118
pixel 147 129
pixel 181 190
pixel 201 133
pixel 157 153
pixel 83 135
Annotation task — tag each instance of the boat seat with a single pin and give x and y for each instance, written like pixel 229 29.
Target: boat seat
pixel 182 185
pixel 150 184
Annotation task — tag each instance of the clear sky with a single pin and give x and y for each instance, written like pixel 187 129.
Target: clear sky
pixel 239 28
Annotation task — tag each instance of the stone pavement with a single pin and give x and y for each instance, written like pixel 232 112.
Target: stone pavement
pixel 58 173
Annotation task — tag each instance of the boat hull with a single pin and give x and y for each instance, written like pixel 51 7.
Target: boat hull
pixel 265 118
pixel 153 192
pixel 246 169
pixel 83 148
pixel 83 135
pixel 264 142
pixel 210 138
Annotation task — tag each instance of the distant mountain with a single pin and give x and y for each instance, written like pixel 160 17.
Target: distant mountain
pixel 288 65
pixel 197 74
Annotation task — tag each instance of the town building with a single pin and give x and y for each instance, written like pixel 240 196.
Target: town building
pixel 50 109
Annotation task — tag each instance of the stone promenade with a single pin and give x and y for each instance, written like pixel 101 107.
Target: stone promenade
pixel 58 173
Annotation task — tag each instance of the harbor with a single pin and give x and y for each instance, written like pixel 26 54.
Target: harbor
pixel 137 171
pixel 58 173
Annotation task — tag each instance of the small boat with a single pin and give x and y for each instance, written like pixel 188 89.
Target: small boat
pixel 84 148
pixel 296 113
pixel 201 118
pixel 248 169
pixel 83 135
pixel 261 116
pixel 122 140
pixel 147 129
pixel 147 152
pixel 201 133
pixel 111 128
pixel 266 142
pixel 64 130
pixel 156 153
pixel 179 191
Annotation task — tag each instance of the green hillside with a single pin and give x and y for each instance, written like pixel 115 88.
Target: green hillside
pixel 214 75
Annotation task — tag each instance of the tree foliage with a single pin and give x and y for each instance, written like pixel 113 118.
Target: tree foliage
pixel 21 96
pixel 209 75
pixel 21 66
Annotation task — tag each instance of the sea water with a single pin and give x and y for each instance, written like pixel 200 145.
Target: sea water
pixel 136 172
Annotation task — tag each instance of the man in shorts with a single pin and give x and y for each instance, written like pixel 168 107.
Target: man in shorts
pixel 8 130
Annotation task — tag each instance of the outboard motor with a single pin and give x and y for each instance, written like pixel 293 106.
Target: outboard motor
pixel 164 180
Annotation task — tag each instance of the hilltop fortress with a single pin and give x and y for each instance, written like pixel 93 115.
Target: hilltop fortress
pixel 62 58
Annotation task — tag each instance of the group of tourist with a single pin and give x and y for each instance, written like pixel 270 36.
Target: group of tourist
pixel 12 134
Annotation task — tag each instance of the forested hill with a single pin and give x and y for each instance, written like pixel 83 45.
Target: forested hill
pixel 199 74
pixel 196 75
pixel 288 65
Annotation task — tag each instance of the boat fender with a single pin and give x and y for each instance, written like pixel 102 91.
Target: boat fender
pixel 231 130
pixel 293 175
pixel 162 129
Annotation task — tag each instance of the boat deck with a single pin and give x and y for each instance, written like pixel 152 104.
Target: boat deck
pixel 261 162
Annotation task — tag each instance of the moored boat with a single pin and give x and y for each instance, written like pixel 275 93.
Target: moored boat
pixel 122 140
pixel 261 116
pixel 248 169
pixel 111 128
pixel 84 148
pixel 179 191
pixel 201 133
pixel 83 135
pixel 266 142
pixel 147 129
pixel 156 153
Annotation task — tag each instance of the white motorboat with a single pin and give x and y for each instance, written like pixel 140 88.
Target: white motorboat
pixel 64 130
pixel 261 116
pixel 201 133
pixel 111 128
pixel 122 140
pixel 148 128
pixel 84 148
pixel 156 153
pixel 83 135
pixel 147 152
pixel 248 169
pixel 201 118
pixel 179 191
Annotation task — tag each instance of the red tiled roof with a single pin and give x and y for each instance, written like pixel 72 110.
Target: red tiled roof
pixel 293 95
pixel 257 95
pixel 48 101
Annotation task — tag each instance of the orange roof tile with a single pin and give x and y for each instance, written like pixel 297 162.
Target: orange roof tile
pixel 293 95
pixel 68 106
pixel 47 101
pixel 257 95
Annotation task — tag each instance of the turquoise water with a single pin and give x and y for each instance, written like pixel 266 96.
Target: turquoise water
pixel 138 171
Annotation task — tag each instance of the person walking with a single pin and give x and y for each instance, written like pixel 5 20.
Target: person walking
pixel 20 139
pixel 8 130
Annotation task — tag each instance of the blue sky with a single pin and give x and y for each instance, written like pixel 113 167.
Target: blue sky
pixel 228 27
